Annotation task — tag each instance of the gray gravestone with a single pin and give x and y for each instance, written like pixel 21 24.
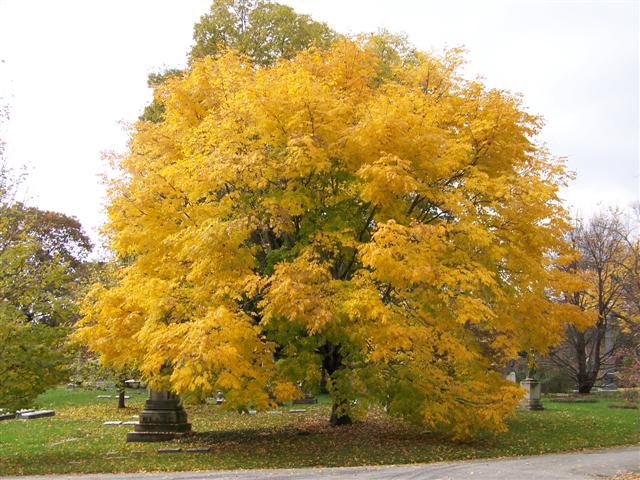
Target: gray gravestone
pixel 163 418
pixel 198 450
pixel 531 400
pixel 169 450
pixel 37 414
pixel 512 377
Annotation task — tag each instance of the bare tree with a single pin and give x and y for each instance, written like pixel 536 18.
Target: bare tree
pixel 609 263
pixel 631 286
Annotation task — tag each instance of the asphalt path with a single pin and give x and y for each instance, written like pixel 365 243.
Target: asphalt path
pixel 586 465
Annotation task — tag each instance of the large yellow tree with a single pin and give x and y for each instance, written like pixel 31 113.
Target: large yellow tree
pixel 371 215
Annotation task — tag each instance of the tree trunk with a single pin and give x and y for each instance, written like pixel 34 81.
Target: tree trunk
pixel 589 357
pixel 323 382
pixel 121 392
pixel 331 363
pixel 342 418
pixel 585 384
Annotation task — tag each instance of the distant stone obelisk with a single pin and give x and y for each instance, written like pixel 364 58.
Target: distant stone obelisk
pixel 531 400
pixel 163 418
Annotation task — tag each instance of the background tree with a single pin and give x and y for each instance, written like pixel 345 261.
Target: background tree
pixel 41 255
pixel 607 262
pixel 628 231
pixel 264 31
pixel 398 231
pixel 628 365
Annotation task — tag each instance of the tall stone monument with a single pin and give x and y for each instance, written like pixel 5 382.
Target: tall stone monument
pixel 163 418
pixel 531 400
pixel 533 392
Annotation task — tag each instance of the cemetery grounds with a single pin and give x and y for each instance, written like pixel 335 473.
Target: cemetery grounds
pixel 76 441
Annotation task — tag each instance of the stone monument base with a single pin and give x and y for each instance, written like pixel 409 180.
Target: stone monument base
pixel 531 400
pixel 163 418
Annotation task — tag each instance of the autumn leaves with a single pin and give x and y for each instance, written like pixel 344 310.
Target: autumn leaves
pixel 377 214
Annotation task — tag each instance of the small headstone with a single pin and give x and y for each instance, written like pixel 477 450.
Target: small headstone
pixel 130 423
pixel 252 412
pixel 219 398
pixel 628 405
pixel 115 422
pixel 198 450
pixel 298 410
pixel 103 396
pixel 131 383
pixel 512 377
pixel 275 412
pixel 71 386
pixel 7 416
pixel 169 450
pixel 37 414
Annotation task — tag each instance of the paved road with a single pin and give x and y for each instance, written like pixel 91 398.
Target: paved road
pixel 594 464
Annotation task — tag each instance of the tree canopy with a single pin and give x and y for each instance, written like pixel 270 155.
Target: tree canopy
pixel 387 222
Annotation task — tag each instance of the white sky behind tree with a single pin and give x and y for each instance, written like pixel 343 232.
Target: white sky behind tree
pixel 73 72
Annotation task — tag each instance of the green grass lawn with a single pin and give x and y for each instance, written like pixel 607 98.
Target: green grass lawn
pixel 75 440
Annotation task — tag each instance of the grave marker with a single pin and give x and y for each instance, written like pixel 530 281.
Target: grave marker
pixel 163 418
pixel 37 414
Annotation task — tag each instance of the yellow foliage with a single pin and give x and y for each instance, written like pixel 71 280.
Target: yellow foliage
pixel 400 231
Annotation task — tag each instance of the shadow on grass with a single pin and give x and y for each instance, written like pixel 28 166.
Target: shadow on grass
pixel 373 436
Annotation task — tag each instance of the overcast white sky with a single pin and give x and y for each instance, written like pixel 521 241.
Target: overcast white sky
pixel 71 71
